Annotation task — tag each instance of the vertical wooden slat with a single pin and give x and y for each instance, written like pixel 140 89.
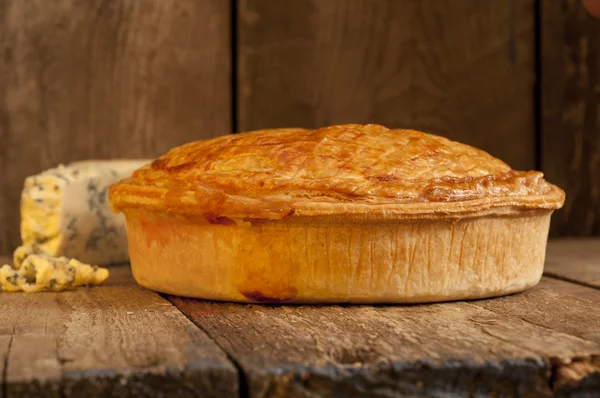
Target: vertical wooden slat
pixel 104 79
pixel 570 99
pixel 459 68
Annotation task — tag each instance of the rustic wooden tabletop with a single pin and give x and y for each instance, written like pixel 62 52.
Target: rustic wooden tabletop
pixel 123 340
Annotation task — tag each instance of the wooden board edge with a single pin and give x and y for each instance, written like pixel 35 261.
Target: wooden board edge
pixel 576 376
pixel 566 278
pixel 221 381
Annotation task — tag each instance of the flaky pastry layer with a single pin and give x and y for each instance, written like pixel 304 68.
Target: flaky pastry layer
pixel 338 170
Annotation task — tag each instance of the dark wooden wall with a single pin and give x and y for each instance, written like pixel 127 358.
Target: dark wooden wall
pixel 570 113
pixel 132 78
pixel 463 69
pixel 86 79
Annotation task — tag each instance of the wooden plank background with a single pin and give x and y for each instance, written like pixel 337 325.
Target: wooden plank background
pixel 131 78
pixel 463 69
pixel 106 79
pixel 571 113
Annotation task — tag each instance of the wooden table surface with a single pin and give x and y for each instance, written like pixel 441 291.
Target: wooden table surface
pixel 121 340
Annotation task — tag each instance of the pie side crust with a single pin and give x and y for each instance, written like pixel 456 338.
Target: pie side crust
pixel 332 261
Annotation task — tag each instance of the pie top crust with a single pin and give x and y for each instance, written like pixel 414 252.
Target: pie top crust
pixel 348 171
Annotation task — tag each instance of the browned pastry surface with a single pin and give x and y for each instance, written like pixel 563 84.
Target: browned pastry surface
pixel 338 171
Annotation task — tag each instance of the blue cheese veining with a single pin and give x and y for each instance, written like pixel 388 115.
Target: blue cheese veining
pixel 40 272
pixel 65 213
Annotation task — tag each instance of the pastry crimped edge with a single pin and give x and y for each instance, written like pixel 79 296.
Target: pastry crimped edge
pixel 273 208
pixel 272 174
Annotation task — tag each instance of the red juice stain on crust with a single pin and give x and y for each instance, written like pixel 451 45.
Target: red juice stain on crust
pixel 260 297
pixel 218 220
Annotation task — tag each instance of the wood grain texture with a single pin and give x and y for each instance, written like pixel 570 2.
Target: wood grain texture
pixel 570 99
pixel 106 79
pixel 115 340
pixel 576 260
pixel 459 68
pixel 514 346
pixel 119 339
pixel 568 308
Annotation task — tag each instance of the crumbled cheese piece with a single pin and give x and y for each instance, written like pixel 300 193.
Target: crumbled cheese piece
pixel 65 212
pixel 10 279
pixel 21 253
pixel 88 274
pixel 38 272
pixel 43 272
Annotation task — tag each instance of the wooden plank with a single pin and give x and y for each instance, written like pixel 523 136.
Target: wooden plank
pixel 574 308
pixel 567 308
pixel 460 348
pixel 570 94
pixel 118 339
pixel 459 68
pixel 106 79
pixel 575 260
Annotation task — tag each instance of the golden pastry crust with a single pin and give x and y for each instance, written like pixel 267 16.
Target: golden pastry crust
pixel 353 171
pixel 315 261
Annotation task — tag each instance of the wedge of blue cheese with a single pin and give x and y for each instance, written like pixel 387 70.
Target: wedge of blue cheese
pixel 65 212
pixel 41 272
